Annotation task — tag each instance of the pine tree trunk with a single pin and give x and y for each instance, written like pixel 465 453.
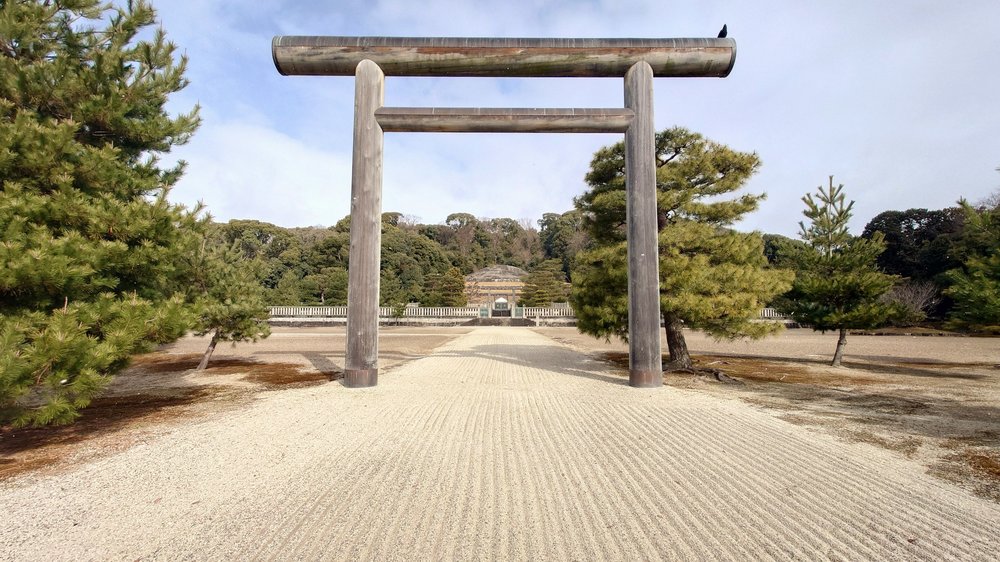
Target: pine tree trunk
pixel 841 344
pixel 208 352
pixel 679 356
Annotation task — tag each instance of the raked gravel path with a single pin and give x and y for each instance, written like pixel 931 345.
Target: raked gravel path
pixel 501 445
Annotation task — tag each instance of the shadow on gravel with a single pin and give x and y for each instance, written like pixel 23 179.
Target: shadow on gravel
pixel 881 364
pixel 104 416
pixel 24 449
pixel 879 405
pixel 328 370
pixel 568 362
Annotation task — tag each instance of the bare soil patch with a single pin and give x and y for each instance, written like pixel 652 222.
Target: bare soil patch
pixel 163 388
pixel 932 400
pixel 24 449
pixel 271 374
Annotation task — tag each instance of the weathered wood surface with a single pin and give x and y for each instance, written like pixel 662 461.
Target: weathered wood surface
pixel 361 362
pixel 502 120
pixel 525 57
pixel 645 362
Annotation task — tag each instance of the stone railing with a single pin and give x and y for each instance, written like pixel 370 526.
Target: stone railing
pixel 441 312
pixel 548 312
pixel 308 312
pixel 772 314
pixel 449 312
pixel 385 312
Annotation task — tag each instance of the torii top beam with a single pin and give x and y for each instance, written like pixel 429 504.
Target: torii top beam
pixel 498 57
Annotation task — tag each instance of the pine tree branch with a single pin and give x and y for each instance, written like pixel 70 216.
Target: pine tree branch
pixel 7 49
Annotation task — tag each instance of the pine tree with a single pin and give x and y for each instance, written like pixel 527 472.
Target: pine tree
pixel 90 248
pixel 712 278
pixel 975 287
pixel 838 285
pixel 545 285
pixel 453 288
pixel 976 292
pixel 563 237
pixel 328 287
pixel 390 290
pixel 229 299
pixel 446 289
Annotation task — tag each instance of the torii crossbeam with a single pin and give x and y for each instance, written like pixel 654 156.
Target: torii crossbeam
pixel 370 59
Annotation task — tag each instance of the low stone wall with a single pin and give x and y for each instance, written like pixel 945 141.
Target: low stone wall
pixel 302 322
pixel 446 316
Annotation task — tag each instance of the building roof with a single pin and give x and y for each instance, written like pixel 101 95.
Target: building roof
pixel 497 273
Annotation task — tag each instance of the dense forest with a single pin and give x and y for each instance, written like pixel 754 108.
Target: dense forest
pixel 308 265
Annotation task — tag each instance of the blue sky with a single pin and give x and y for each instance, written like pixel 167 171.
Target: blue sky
pixel 898 103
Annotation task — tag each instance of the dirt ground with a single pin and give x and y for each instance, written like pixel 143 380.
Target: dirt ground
pixel 932 399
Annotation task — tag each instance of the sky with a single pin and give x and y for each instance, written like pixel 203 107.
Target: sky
pixel 899 101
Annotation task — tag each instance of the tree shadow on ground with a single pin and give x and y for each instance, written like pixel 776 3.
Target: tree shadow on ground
pixel 904 413
pixel 964 434
pixel 24 449
pixel 876 404
pixel 554 358
pixel 320 361
pixel 882 364
pixel 911 407
pixel 104 416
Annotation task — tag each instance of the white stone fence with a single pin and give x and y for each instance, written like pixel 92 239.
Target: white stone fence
pixel 772 314
pixel 548 312
pixel 384 312
pixel 435 312
pixel 450 312
pixel 308 311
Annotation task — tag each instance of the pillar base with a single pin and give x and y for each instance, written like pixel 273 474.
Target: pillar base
pixel 360 378
pixel 645 379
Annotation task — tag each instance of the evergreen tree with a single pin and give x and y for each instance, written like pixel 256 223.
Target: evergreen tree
pixel 390 290
pixel 411 258
pixel 563 237
pixel 838 285
pixel 229 299
pixel 328 287
pixel 975 287
pixel 276 249
pixel 445 290
pixel 976 292
pixel 545 285
pixel 91 250
pixel 291 290
pixel 917 241
pixel 453 288
pixel 712 278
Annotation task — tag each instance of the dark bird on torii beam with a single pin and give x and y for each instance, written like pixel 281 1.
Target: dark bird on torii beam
pixel 723 32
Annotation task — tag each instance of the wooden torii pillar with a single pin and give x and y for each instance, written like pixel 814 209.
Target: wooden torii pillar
pixel 370 59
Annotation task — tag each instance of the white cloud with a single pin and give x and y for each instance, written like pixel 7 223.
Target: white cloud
pixel 249 171
pixel 492 175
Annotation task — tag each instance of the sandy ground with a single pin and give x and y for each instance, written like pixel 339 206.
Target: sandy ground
pixel 502 444
pixel 935 400
pixel 322 348
pixel 162 389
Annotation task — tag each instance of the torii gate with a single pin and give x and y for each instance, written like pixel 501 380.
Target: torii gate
pixel 370 59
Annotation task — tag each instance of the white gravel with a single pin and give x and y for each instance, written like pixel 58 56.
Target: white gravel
pixel 501 445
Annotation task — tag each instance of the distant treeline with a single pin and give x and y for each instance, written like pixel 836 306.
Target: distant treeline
pixel 308 265
pixel 921 246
